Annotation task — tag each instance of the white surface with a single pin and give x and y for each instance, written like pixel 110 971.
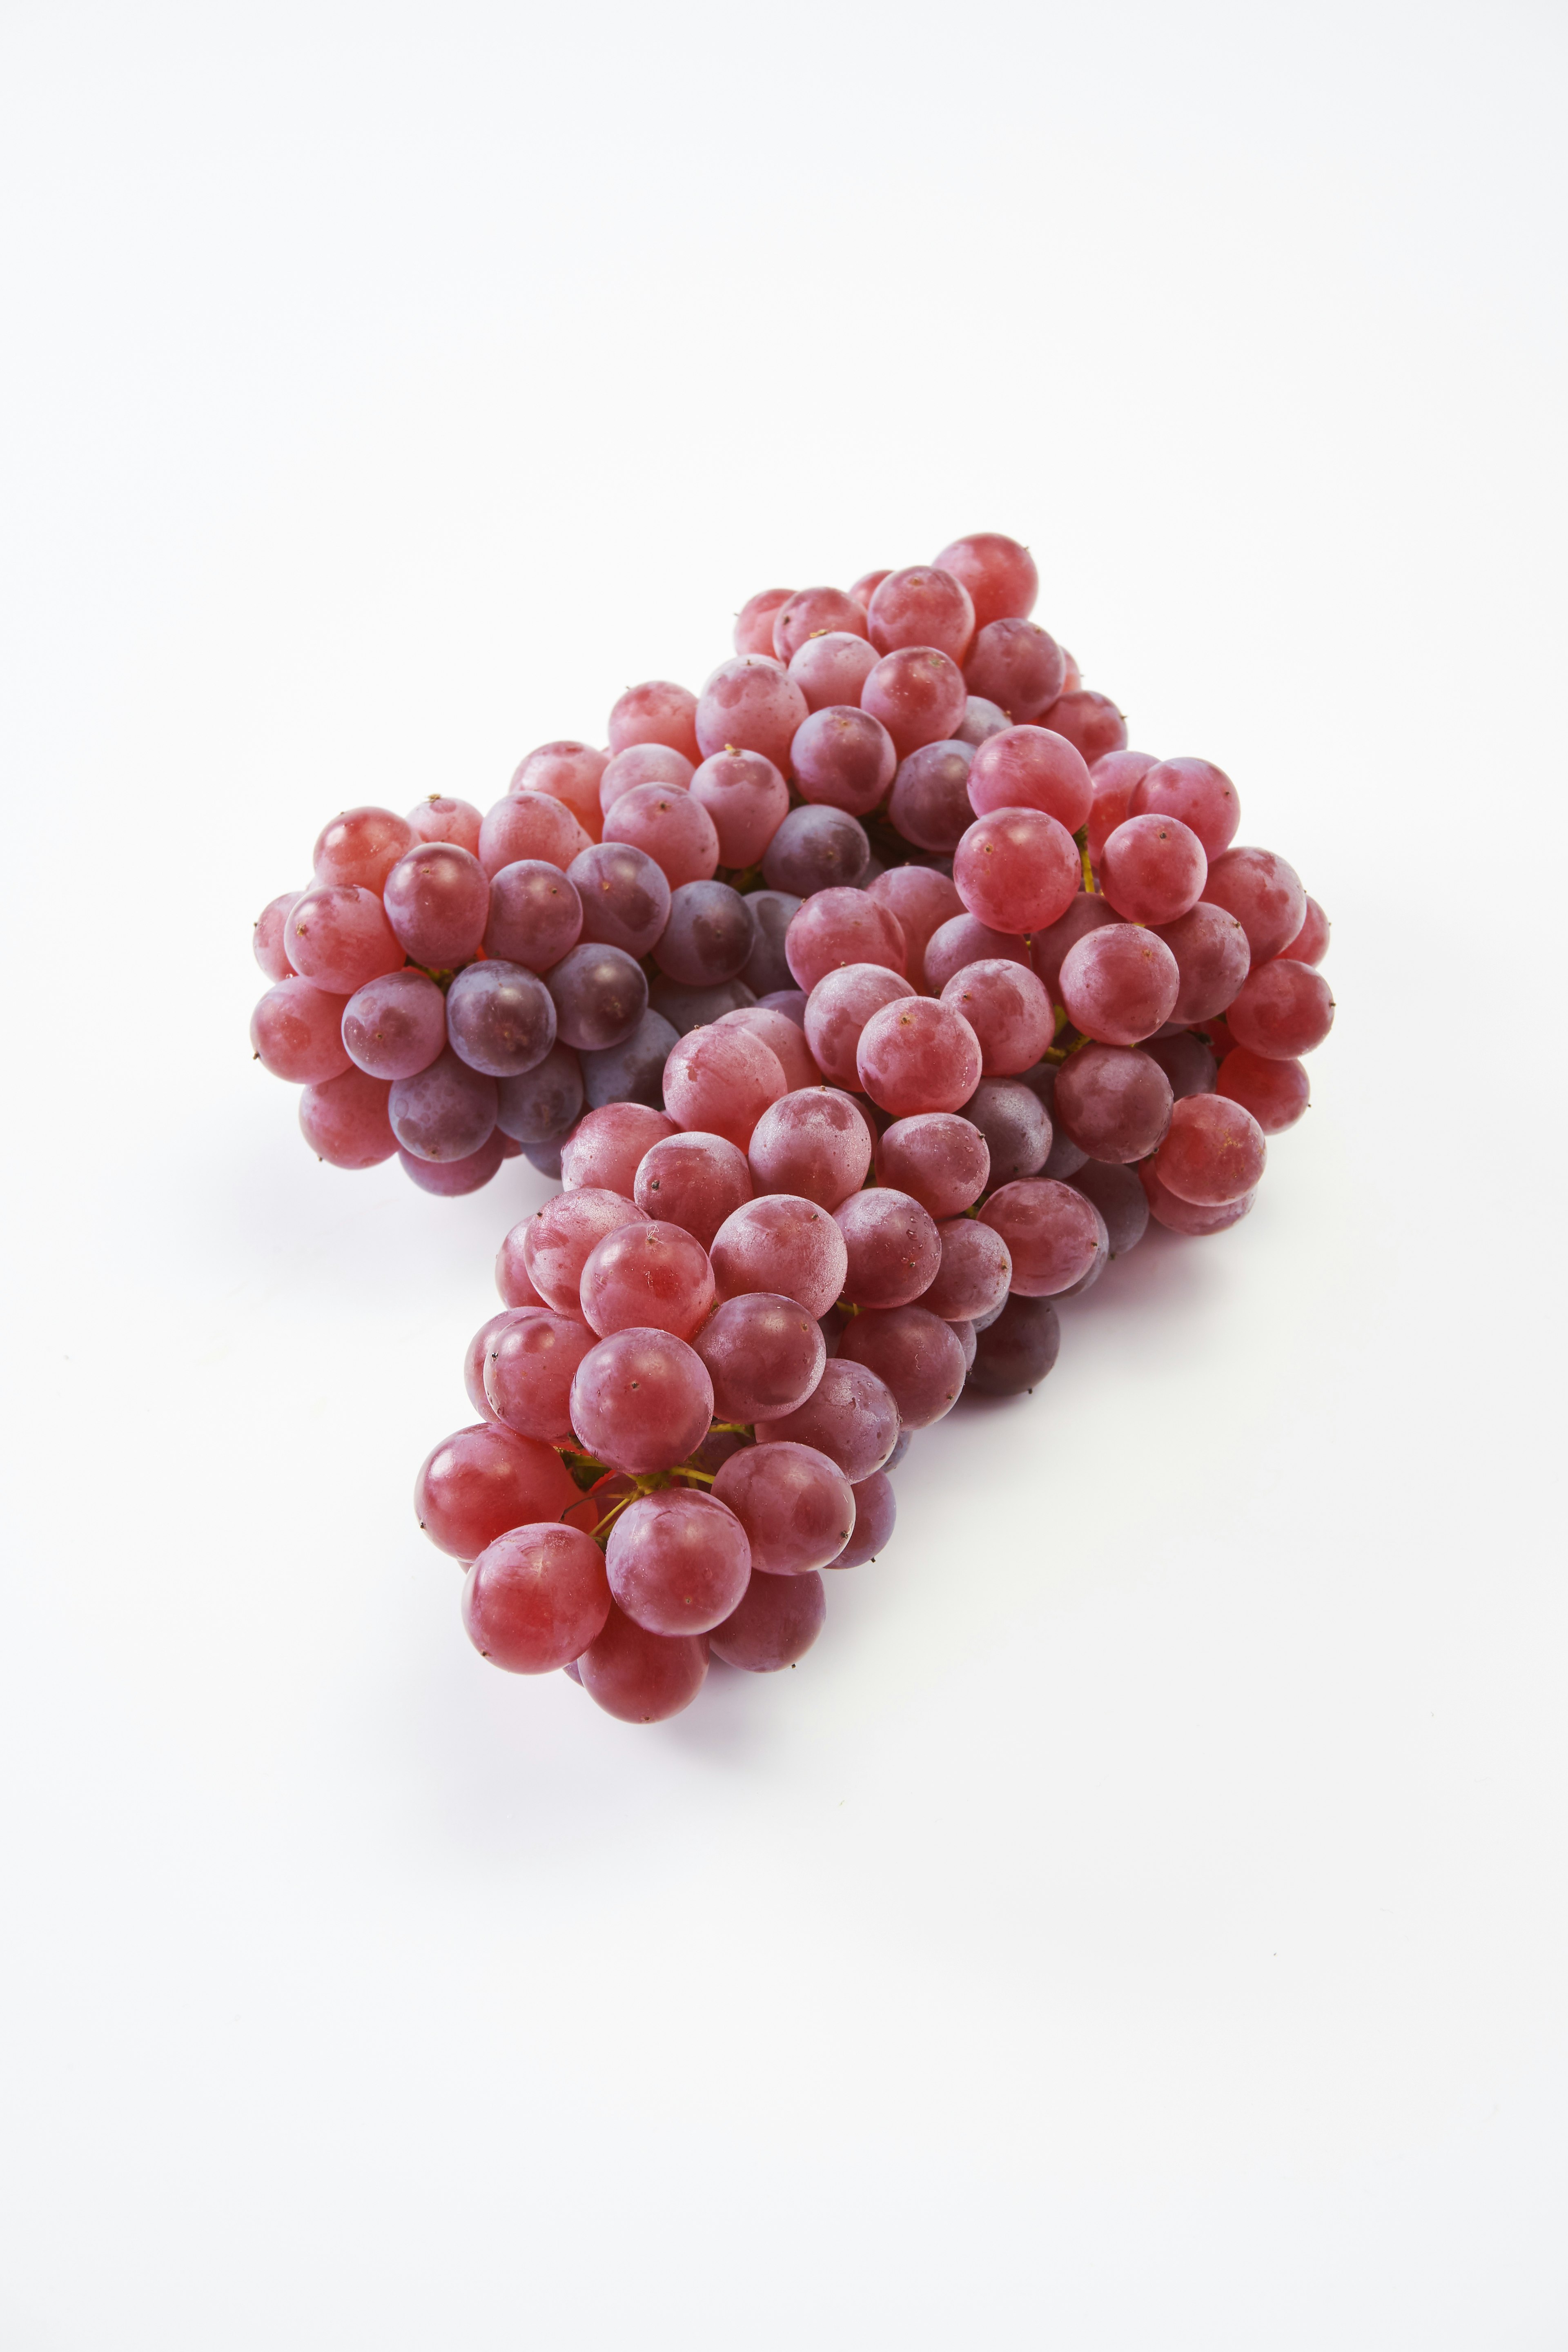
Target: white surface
pixel 1141 1923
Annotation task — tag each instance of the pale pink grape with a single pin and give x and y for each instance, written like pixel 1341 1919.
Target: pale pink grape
pixel 607 1147
pixel 693 1180
pixel 530 825
pixel 1009 1010
pixel 918 1056
pixel 785 1244
pixel 656 712
pixel 441 818
pixel 530 1365
pixel 998 572
pixel 815 613
pixel 1030 767
pixel 754 620
pixel 747 798
pixel 567 772
pixel 558 1240
pixel 296 1032
pixel 795 1503
pixel 344 1121
pixel 921 605
pixel 833 668
pixel 669 826
pixel 338 936
pixel 643 763
pixel 359 848
pixel 722 1081
pixel 838 1010
pixel 535 1598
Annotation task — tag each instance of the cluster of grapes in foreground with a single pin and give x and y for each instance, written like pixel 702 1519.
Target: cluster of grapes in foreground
pixel 863 1004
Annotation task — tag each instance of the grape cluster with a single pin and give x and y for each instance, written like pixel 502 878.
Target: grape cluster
pixel 864 1005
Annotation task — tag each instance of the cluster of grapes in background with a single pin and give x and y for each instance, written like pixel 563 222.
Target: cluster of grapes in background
pixel 863 1004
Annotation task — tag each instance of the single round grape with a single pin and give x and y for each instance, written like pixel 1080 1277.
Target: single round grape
pixel 765 1355
pixel 1275 1092
pixel 982 719
pixel 1120 1200
pixel 815 613
pixel 796 1505
pixel 438 902
pixel 1054 1234
pixel 836 1012
pixel 685 1009
pixel 623 897
pixel 1179 1216
pixel 641 1400
pixel 344 1121
pixel 1087 911
pixel 1310 944
pixel 1090 721
pixel 781 1036
pixel 1263 893
pixel 961 941
pixel 1016 664
pixel 650 1276
pixel 838 927
pixel 656 712
pixel 605 1150
pixel 450 1179
pixel 1115 778
pixel 921 900
pixel 567 772
pixel 642 1677
pixel 1009 1010
pixel 754 620
pixel 1214 1153
pixel 1030 767
pixel 1016 1351
pixel 600 995
pixel 692 1181
pixel 1283 1011
pixel 513 1280
pixel 545 1102
pixel 975 1273
pixel 749 704
pixel 535 1598
pixel 1113 1101
pixel 296 1032
pixel 921 605
pixel 918 1056
pixel 930 800
pixel 672 828
pixel 395 1027
pixel 919 695
pixel 721 1080
pixel 1186 1060
pixel 444 1112
pixel 529 825
pixel 558 1238
pixel 1120 984
pixel 482 1481
pixel 916 1356
pixel 777 1620
pixel 1016 869
pixel 893 1247
pixel 677 1562
pixel 268 938
pixel 767 968
pixel 337 937
pixel 1211 960
pixel 358 849
pixel 535 915
pixel 938 1159
pixel 783 1244
pixel 530 1365
pixel 875 1512
pixel 832 668
pixel 747 798
pixel 439 817
pixel 816 848
pixel 1197 791
pixel 998 573
pixel 478 1349
pixel 813 1143
pixel 643 763
pixel 850 1416
pixel 709 937
pixel 1152 869
pixel 843 758
pixel 500 1019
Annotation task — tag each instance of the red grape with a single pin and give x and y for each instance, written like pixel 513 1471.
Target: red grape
pixel 641 1400
pixel 1016 1350
pixel 1113 1101
pixel 529 1366
pixel 893 1247
pixel 918 1056
pixel 1275 1092
pixel 649 1277
pixel 643 763
pixel 1115 778
pixel 642 1677
pixel 567 772
pixel 1212 959
pixel 1120 984
pixel 513 1280
pixel 920 900
pixel 1197 791
pixel 1008 1010
pixel 919 695
pixel 722 1081
pixel 998 572
pixel 656 712
pixel 975 1272
pixel 754 620
pixel 500 1019
pixel 439 902
pixel 1120 1200
pixel 815 613
pixel 482 1481
pixel 765 1355
pixel 837 1011
pixel 781 1036
pixel 747 798
pixel 268 940
pixel 1168 1208
pixel 850 1416
pixel 543 1102
pixel 839 929
pixel 359 848
pixel 833 668
pixel 673 829
pixel 749 704
pixel 605 1151
pixel 982 719
pixel 921 605
pixel 694 1181
pixel 778 1619
pixel 961 941
pixel 296 1032
pixel 1030 767
pixel 479 1348
pixel 338 936
pixel 1214 1153
pixel 1283 1011
pixel 813 1144
pixel 1013 1125
pixel 816 848
pixel 558 1240
pixel 623 895
pixel 1186 1060
pixel 1018 869
pixel 1054 1235
pixel 440 818
pixel 1152 868
pixel 929 804
pixel 535 1598
pixel 785 1244
pixel 916 1356
pixel 600 996
pixel 344 1121
pixel 709 937
pixel 795 1503
pixel 1087 911
pixel 1310 944
pixel 677 1562
pixel 530 824
pixel 866 587
pixel 874 1512
pixel 1018 666
pixel 1090 721
pixel 1263 893
pixel 444 1112
pixel 843 758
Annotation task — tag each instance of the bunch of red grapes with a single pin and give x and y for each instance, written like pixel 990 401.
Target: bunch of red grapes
pixel 864 1005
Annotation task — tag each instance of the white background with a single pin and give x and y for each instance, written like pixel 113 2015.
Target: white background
pixel 1141 1923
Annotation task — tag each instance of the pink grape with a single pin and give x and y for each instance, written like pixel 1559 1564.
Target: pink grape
pixel 641 1400
pixel 796 1505
pixel 1016 664
pixel 875 1512
pixel 605 1151
pixel 920 900
pixel 961 941
pixel 850 1416
pixel 479 1348
pixel 441 818
pixel 1054 1234
pixel 813 1143
pixel 776 1621
pixel 1115 777
pixel 1009 1010
pixel 651 1277
pixel 816 848
pixel 513 1280
pixel 1087 911
pixel 1211 960
pixel 558 1240
pixel 1113 1101
pixel 916 1356
pixel 656 712
pixel 1275 1092
pixel 1179 1216
pixel 439 902
pixel 783 1244
pixel 600 995
pixel 643 763
pixel 543 1102
pixel 296 1032
pixel 836 1012
pixel 1030 767
pixel 1310 944
pixel 1197 791
pixel 919 695
pixel 338 936
pixel 749 704
pixel 450 1179
pixel 747 798
pixel 535 1598
pixel 567 772
pixel 781 1036
pixel 754 620
pixel 866 587
pixel 1282 1012
pixel 623 895
pixel 530 824
pixel 1090 721
pixel 359 848
pixel 833 668
pixel 1015 1124
pixel 815 613
pixel 267 939
pixel 1152 869
pixel 672 828
pixel 692 1181
pixel 535 915
pixel 482 1481
pixel 836 929
pixel 1263 893
pixel 1185 1059
pixel 918 1056
pixel 1120 984
pixel 982 719
pixel 642 1677
pixel 1016 1351
pixel 344 1121
pixel 677 1562
pixel 923 606
pixel 444 1112
pixel 722 1081
pixel 938 1159
pixel 930 800
pixel 843 758
pixel 1016 869
pixel 1120 1200
pixel 975 1273
pixel 765 1355
pixel 1214 1153
pixel 998 572
pixel 530 1365
pixel 893 1246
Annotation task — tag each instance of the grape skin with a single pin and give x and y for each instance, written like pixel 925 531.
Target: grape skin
pixel 1282 1012
pixel 1030 767
pixel 783 1037
pixel 440 818
pixel 535 915
pixel 652 1276
pixel 918 1056
pixel 1054 1234
pixel 835 927
pixel 875 1509
pixel 344 1120
pixel 671 827
pixel 482 1480
pixel 1114 1102
pixel 747 800
pixel 641 1400
pixel 850 1416
pixel 296 1032
pixel 833 668
pixel 268 938
pixel 1152 869
pixel 606 1148
pixel 1087 911
pixel 937 1158
pixel 524 826
pixel 709 936
pixel 767 970
pixel 564 771
pixel 1275 1092
pixel 529 1367
pixel 963 940
pixel 749 704
pixel 1214 1151
pixel 1090 721
pixel 920 900
pixel 843 758
pixel 558 1240
pixel 1015 1352
pixel 1186 1061
pixel 919 695
pixel 765 1355
pixel 359 848
pixel 1263 893
pixel 1211 960
pixel 974 1274
pixel 654 712
pixel 721 1080
pixel 694 1180
pixel 893 1248
pixel 632 1071
pixel 921 605
pixel 813 1143
pixel 1197 791
pixel 623 897
pixel 478 1348
pixel 998 572
pixel 338 937
pixel 1115 777
pixel 785 1244
pixel 778 1619
pixel 1019 666
pixel 535 1598
pixel 1009 1010
pixel 600 995
pixel 677 1562
pixel 915 1354
pixel 796 1505
pixel 1018 869
pixel 754 620
pixel 1310 944
pixel 836 1012
pixel 642 1677
pixel 500 1019
pixel 445 1112
pixel 1120 984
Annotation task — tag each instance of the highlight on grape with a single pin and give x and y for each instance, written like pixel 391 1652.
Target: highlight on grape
pixel 863 1004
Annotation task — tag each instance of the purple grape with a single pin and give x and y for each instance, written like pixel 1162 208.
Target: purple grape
pixel 1016 1125
pixel 816 848
pixel 452 1178
pixel 632 1071
pixel 1187 1060
pixel 767 969
pixel 929 804
pixel 545 1102
pixel 778 1619
pixel 1119 1197
pixel 709 937
pixel 438 902
pixel 446 1112
pixel 1016 1351
pixel 624 894
pixel 536 916
pixel 500 1019
pixel 600 995
pixel 685 1009
pixel 1114 1102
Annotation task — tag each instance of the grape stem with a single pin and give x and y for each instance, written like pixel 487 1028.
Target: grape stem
pixel 1081 837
